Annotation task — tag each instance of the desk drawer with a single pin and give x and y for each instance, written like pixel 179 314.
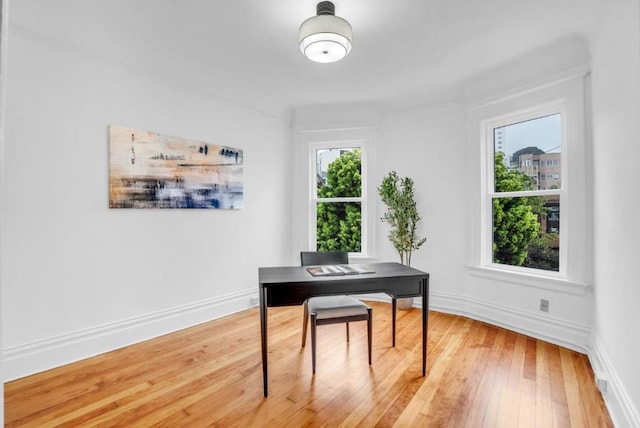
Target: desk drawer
pixel 296 293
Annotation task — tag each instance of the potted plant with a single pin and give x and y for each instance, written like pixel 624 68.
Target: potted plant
pixel 403 217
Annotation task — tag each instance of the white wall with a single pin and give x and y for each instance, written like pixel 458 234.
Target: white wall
pixel 79 278
pixel 616 141
pixel 428 146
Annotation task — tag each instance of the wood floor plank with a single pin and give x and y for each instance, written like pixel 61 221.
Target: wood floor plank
pixel 210 375
pixel 499 393
pixel 559 404
pixel 510 407
pixel 544 415
pixel 594 409
pixel 422 402
pixel 576 410
pixel 393 384
pixel 481 399
pixel 451 405
pixel 401 379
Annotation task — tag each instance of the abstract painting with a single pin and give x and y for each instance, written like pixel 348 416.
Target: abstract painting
pixel 149 170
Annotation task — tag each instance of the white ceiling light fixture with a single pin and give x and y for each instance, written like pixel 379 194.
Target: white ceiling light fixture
pixel 325 37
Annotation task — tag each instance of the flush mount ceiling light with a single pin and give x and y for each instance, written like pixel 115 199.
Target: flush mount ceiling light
pixel 325 37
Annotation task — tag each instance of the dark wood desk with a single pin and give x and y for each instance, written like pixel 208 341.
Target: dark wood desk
pixel 288 286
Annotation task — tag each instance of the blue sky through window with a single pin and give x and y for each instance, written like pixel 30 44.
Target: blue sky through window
pixel 543 133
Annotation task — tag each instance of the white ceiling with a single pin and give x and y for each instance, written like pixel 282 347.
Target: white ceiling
pixel 405 53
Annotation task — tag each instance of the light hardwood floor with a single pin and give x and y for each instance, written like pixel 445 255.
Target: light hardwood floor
pixel 211 375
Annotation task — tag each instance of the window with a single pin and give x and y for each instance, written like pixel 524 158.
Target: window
pixel 525 217
pixel 338 198
pixel 329 215
pixel 563 242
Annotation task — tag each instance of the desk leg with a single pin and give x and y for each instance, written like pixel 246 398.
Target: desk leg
pixel 263 332
pixel 425 322
pixel 393 321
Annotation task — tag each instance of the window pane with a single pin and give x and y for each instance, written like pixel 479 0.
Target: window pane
pixel 338 173
pixel 527 153
pixel 339 226
pixel 526 232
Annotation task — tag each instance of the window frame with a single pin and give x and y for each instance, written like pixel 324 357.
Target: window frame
pixel 362 199
pixel 489 193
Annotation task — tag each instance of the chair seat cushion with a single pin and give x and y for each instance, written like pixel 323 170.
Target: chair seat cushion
pixel 336 307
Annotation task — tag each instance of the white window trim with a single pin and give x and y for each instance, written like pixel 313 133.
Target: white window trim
pixel 301 186
pixel 313 191
pixel 568 94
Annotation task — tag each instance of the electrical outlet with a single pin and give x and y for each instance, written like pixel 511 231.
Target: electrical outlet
pixel 544 305
pixel 601 384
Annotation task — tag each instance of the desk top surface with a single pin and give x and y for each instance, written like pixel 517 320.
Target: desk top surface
pixel 299 274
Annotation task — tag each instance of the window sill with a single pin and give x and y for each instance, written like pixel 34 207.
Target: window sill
pixel 361 258
pixel 528 280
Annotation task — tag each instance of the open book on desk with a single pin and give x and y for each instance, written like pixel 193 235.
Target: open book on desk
pixel 336 270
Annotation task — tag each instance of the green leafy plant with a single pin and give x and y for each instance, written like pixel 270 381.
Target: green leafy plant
pixel 515 220
pixel 543 252
pixel 397 193
pixel 339 224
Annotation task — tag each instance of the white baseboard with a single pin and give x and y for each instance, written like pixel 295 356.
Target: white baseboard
pixel 620 406
pixel 560 332
pixel 41 355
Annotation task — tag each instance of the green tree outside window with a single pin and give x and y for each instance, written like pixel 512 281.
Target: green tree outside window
pixel 515 219
pixel 339 224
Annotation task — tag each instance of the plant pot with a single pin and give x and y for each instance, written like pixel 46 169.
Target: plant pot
pixel 404 303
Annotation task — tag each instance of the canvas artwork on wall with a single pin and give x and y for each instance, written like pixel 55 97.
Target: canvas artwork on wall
pixel 149 170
